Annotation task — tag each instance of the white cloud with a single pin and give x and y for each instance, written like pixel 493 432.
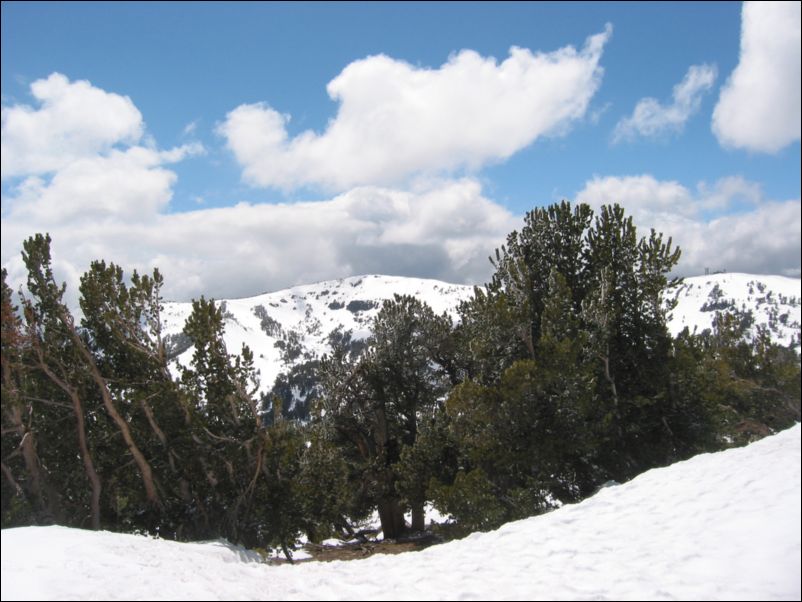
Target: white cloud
pixel 127 184
pixel 75 121
pixel 650 118
pixel 80 155
pixel 396 120
pixel 754 235
pixel 446 231
pixel 759 107
pixel 107 197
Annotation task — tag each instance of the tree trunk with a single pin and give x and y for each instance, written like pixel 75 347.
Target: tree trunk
pixel 145 470
pixel 606 361
pixel 45 497
pixel 89 466
pixel 418 517
pixel 286 551
pixel 28 446
pixel 392 518
pixel 83 446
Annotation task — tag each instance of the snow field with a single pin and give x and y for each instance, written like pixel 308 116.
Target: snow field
pixel 722 526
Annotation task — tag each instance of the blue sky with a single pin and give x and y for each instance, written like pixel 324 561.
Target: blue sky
pixel 212 86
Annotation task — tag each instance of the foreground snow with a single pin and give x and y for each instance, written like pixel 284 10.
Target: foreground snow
pixel 719 526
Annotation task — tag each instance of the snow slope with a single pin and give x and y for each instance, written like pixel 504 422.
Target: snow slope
pixel 722 526
pixel 774 301
pixel 308 313
pixel 304 316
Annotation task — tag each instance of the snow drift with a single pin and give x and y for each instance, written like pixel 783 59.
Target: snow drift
pixel 718 526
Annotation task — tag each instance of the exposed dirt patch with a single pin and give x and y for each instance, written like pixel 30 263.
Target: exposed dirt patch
pixel 363 549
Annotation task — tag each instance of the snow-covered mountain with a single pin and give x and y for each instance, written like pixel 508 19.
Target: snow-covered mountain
pixel 773 301
pixel 287 327
pixel 292 325
pixel 723 526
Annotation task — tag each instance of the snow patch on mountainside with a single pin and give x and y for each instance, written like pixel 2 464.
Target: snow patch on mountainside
pixel 774 302
pixel 290 326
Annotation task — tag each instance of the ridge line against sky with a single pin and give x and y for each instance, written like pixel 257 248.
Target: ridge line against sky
pixel 244 147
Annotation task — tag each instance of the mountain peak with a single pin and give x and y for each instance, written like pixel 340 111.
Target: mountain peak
pixel 292 325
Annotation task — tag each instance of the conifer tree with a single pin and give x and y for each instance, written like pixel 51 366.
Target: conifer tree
pixel 29 494
pixel 373 404
pixel 122 324
pixel 51 308
pixel 582 300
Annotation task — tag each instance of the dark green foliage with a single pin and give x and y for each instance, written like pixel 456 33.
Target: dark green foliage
pixel 509 433
pixel 297 390
pixel 472 500
pixel 434 456
pixel 752 388
pixel 371 405
pixel 276 498
pixel 582 299
pixel 270 326
pixel 559 376
pixel 358 305
pixel 343 340
pixel 106 437
pixel 27 495
pixel 570 375
pixel 289 346
pixel 334 493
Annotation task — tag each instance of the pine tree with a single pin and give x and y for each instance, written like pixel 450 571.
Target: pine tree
pixel 122 325
pixel 373 403
pixel 222 420
pixel 569 343
pixel 50 310
pixel 28 492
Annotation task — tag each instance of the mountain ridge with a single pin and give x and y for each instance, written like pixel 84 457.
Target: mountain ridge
pixel 287 327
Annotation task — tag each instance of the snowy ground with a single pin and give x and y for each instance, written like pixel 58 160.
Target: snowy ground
pixel 720 526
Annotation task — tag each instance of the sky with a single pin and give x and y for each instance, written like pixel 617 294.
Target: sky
pixel 247 147
pixel 723 526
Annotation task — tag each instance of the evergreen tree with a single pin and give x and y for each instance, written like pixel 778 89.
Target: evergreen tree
pixel 122 325
pixel 373 404
pixel 501 324
pixel 752 387
pixel 569 343
pixel 223 418
pixel 50 311
pixel 29 495
pixel 333 492
pixel 559 376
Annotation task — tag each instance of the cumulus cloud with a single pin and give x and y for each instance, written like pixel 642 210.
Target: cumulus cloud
pixel 80 155
pixel 446 230
pixel 74 121
pixel 651 119
pixel 759 107
pixel 130 184
pixel 104 193
pixel 396 120
pixel 728 225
